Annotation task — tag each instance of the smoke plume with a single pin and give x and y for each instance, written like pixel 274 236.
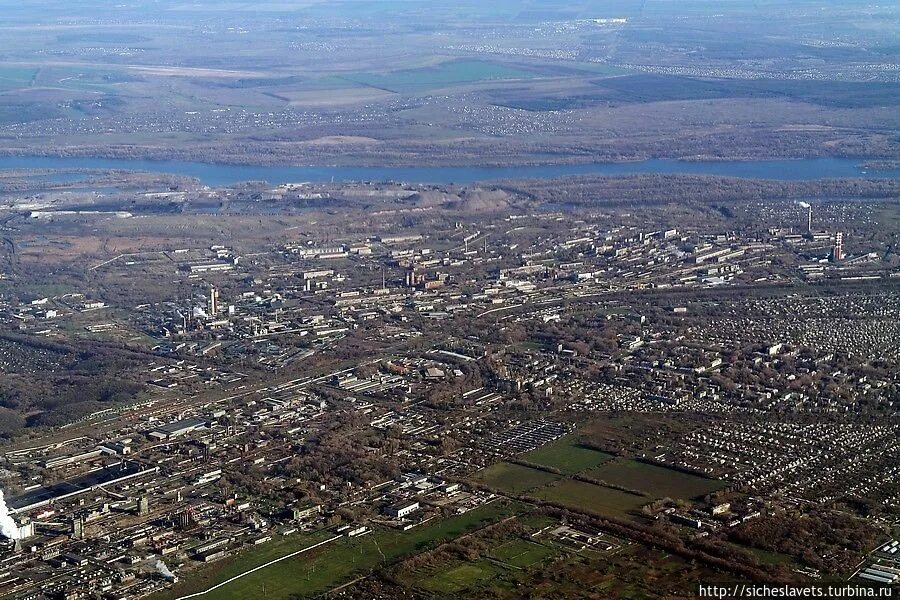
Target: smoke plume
pixel 8 527
pixel 164 571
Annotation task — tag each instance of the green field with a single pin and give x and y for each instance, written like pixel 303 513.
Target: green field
pixel 536 522
pixel 601 69
pixel 461 577
pixel 514 479
pixel 325 568
pixel 593 498
pixel 451 73
pixel 766 557
pixel 17 73
pixel 521 553
pixel 567 456
pixel 12 78
pixel 208 575
pixel 519 568
pixel 658 482
pixel 87 79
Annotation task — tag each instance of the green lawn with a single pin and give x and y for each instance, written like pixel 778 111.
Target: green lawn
pixel 567 456
pixel 658 482
pixel 322 569
pixel 593 498
pixel 514 479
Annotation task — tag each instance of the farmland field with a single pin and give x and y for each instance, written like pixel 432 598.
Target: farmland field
pixel 567 456
pixel 593 498
pixel 656 481
pixel 514 479
pixel 12 78
pixel 331 98
pixel 446 74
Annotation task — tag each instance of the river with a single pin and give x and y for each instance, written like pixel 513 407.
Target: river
pixel 223 175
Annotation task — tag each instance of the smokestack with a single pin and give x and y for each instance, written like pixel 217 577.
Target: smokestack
pixel 808 208
pixel 8 527
pixel 838 253
pixel 213 304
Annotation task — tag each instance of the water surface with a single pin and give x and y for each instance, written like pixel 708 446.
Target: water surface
pixel 221 175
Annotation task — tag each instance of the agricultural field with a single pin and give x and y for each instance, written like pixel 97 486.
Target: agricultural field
pixel 443 75
pixel 657 482
pixel 580 495
pixel 334 97
pixel 655 88
pixel 518 84
pixel 12 78
pixel 514 479
pixel 567 455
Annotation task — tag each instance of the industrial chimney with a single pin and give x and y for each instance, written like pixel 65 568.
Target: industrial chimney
pixel 838 252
